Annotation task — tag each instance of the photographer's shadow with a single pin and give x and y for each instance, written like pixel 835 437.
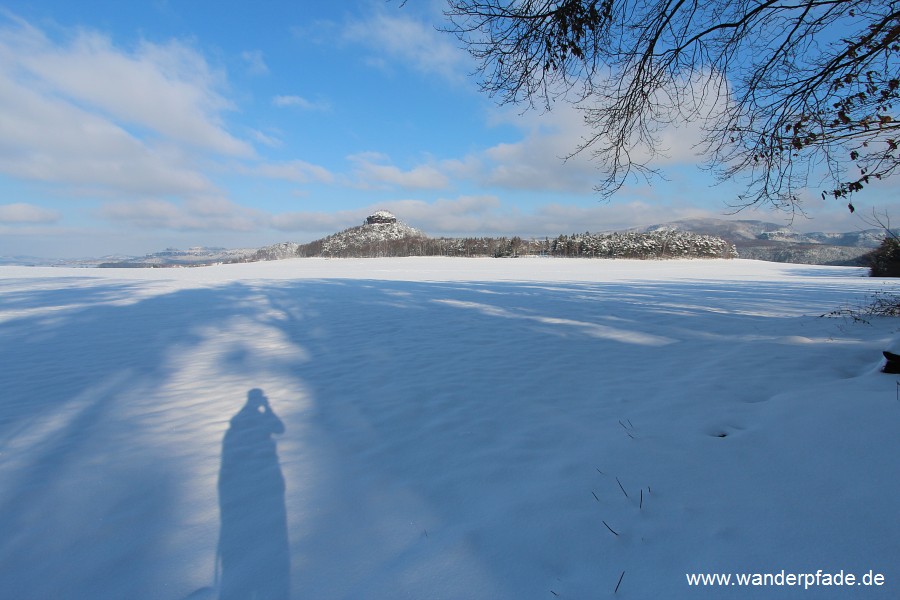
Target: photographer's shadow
pixel 253 539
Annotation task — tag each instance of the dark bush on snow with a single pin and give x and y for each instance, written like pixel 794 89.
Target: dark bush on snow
pixel 885 261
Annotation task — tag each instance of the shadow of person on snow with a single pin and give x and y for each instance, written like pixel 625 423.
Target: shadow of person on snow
pixel 253 538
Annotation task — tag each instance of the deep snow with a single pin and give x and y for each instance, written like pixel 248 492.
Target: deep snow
pixel 453 428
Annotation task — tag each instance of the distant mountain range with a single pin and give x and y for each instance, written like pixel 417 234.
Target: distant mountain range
pixel 761 240
pixel 173 257
pixel 753 232
pixel 753 239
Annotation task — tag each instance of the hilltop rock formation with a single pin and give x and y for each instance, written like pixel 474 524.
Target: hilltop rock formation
pixel 380 217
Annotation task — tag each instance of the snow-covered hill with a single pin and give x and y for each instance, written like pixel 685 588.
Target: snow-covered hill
pixel 377 239
pixel 741 232
pixel 173 257
pixel 761 240
pixel 276 252
pixel 383 235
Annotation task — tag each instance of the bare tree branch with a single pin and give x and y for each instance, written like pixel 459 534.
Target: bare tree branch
pixel 790 93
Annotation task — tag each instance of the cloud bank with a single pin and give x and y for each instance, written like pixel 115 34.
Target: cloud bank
pixel 82 113
pixel 23 213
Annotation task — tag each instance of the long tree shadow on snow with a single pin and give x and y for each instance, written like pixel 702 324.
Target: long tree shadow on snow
pixel 455 421
pixel 380 356
pixel 253 539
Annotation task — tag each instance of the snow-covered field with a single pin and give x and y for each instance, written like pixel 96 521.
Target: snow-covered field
pixel 453 428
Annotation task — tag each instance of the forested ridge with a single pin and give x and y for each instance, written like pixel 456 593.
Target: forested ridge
pixel 364 241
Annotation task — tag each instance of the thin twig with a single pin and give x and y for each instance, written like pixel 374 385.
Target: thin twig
pixel 620 583
pixel 610 528
pixel 621 488
pixel 595 496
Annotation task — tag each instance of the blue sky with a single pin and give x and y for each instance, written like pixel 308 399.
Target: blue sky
pixel 129 127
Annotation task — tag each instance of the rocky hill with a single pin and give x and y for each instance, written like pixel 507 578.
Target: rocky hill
pixel 380 235
pixel 276 252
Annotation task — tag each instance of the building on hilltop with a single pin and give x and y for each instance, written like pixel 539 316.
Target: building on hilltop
pixel 381 216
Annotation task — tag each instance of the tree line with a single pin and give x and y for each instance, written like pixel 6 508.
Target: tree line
pixel 666 243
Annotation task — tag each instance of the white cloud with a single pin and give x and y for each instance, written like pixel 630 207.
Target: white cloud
pixel 543 159
pixel 613 216
pixel 297 171
pixel 547 157
pixel 85 114
pixel 53 141
pixel 149 213
pixel 169 88
pixel 255 63
pixel 208 213
pixel 23 213
pixel 322 223
pixel 415 42
pixel 680 141
pixel 464 215
pixel 299 102
pixel 371 172
pixel 536 162
pixel 269 139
